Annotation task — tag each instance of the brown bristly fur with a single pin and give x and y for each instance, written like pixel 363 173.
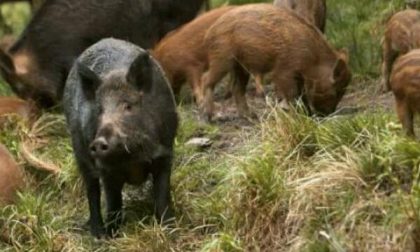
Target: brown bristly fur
pixel 405 84
pixel 402 34
pixel 11 176
pixel 255 39
pixel 183 55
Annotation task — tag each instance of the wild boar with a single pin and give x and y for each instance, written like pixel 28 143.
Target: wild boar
pixel 37 65
pixel 11 177
pixel 405 85
pixel 401 35
pixel 314 11
pixel 183 55
pixel 122 117
pixel 260 38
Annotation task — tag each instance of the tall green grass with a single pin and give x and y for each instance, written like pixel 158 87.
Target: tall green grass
pixel 358 26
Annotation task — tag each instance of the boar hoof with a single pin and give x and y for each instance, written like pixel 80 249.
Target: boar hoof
pixel 284 105
pixel 252 115
pixel 206 117
pixel 384 86
pixel 228 95
pixel 97 231
pixel 260 94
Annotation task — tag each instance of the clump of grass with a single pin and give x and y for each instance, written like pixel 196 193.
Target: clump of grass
pixel 278 195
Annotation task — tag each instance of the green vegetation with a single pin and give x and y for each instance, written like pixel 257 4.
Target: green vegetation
pixel 358 26
pixel 289 183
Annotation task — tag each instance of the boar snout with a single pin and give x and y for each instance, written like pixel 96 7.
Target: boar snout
pixel 106 142
pixel 99 147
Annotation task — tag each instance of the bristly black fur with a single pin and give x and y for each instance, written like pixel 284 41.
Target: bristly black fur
pixel 61 29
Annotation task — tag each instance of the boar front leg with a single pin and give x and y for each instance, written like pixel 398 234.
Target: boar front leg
pixel 93 191
pixel 406 117
pixel 161 188
pixel 389 56
pixel 259 88
pixel 219 67
pixel 113 187
pixel 286 88
pixel 92 187
pixel 239 90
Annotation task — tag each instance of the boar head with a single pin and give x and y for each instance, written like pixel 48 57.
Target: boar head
pixel 122 115
pixel 326 90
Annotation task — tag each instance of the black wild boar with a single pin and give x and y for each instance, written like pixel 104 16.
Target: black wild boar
pixel 122 117
pixel 36 66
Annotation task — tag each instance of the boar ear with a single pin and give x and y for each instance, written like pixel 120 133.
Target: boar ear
pixel 343 54
pixel 90 81
pixel 140 73
pixel 7 67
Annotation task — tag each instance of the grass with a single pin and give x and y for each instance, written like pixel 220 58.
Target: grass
pixel 289 183
pixel 343 183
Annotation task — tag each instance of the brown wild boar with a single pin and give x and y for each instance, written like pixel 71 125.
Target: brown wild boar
pixel 260 38
pixel 11 177
pixel 12 105
pixel 402 34
pixel 183 55
pixel 405 84
pixel 314 11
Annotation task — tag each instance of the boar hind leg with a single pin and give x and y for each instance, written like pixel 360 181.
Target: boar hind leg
pixel 406 117
pixel 113 187
pixel 218 69
pixel 239 90
pixel 161 189
pixel 389 56
pixel 194 79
